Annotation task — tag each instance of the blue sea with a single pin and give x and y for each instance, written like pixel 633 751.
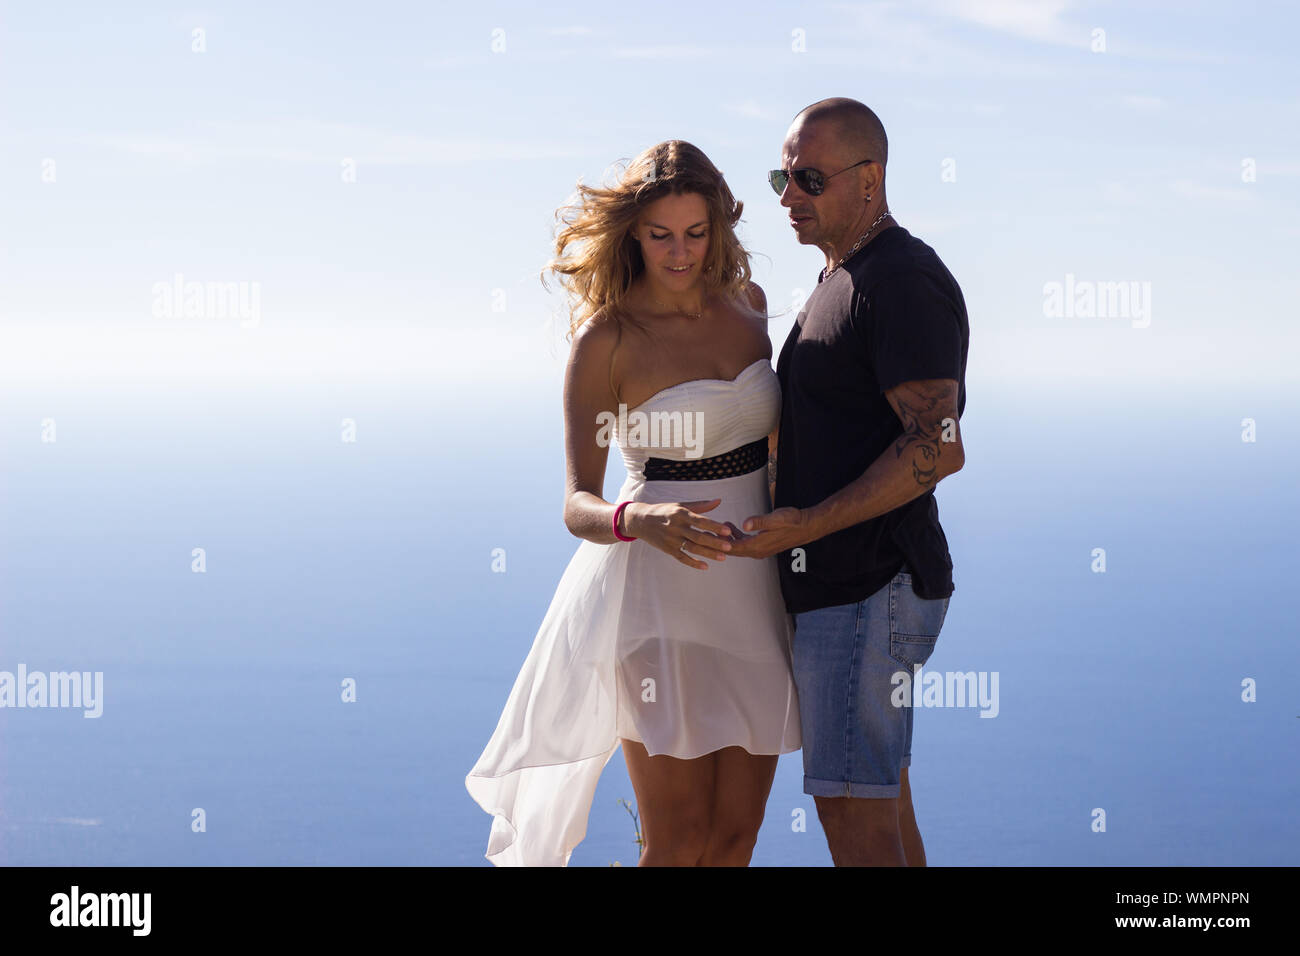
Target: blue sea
pixel 370 563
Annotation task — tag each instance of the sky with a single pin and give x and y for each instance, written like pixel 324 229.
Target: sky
pixel 375 187
pixel 382 178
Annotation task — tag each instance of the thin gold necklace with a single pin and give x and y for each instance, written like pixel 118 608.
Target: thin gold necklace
pixel 679 311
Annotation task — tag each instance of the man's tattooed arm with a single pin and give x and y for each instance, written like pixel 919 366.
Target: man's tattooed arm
pixel 929 450
pixel 931 441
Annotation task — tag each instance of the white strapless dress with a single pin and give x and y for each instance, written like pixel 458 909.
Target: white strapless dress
pixel 636 644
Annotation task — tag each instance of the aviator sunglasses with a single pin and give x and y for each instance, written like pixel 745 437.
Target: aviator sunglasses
pixel 812 181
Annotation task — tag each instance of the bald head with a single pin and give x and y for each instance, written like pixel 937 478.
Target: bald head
pixel 845 142
pixel 856 131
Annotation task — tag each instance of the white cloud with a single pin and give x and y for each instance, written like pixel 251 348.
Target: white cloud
pixel 1039 20
pixel 1142 102
pixel 308 141
pixel 672 52
pixel 749 109
pixel 1121 193
pixel 924 36
pixel 1279 169
pixel 455 61
pixel 1194 190
pixel 889 37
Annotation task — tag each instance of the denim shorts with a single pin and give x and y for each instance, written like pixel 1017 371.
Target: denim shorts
pixel 855 739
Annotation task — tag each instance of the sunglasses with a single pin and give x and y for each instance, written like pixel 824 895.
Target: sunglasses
pixel 812 181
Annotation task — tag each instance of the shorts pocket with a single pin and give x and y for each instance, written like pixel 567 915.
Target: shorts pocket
pixel 914 622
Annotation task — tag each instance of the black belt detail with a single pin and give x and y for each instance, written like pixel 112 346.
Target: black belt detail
pixel 738 461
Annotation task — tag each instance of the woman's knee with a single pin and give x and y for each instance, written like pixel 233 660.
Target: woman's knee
pixel 730 847
pixel 681 843
pixel 733 836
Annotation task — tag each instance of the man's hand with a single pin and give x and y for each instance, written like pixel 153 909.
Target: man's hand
pixel 778 531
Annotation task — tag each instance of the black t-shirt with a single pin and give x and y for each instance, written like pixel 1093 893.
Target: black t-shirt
pixel 891 313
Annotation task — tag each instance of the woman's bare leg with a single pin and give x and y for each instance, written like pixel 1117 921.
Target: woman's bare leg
pixel 741 787
pixel 674 799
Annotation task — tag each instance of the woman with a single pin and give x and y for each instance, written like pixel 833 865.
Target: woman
pixel 655 641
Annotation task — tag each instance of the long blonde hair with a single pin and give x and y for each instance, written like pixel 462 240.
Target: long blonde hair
pixel 597 257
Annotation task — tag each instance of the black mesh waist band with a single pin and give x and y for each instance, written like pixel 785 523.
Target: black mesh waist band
pixel 738 461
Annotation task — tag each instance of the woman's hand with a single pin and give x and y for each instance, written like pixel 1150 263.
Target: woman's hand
pixel 678 528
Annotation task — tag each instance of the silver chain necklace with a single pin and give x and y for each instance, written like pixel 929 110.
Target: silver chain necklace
pixel 857 245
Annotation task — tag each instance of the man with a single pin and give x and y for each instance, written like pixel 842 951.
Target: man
pixel 873 384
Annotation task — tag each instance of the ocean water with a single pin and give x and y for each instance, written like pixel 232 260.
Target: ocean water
pixel 370 561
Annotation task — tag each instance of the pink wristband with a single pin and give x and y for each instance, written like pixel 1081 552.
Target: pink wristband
pixel 618 511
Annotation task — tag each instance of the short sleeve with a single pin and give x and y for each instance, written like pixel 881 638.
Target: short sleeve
pixel 913 329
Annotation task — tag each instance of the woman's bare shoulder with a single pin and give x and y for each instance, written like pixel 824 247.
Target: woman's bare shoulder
pixel 591 353
pixel 757 298
pixel 597 335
